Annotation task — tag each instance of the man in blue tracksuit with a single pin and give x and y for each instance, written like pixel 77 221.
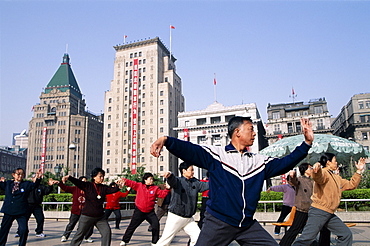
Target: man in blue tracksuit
pixel 236 177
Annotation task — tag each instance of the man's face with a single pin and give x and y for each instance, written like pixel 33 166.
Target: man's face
pixel 18 175
pixel 245 133
pixel 188 173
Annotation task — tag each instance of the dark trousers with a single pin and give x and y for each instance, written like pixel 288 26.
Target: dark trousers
pixel 299 222
pixel 86 223
pixel 117 213
pixel 73 219
pixel 137 218
pixel 217 232
pixel 285 210
pixel 202 211
pixel 37 211
pixel 7 223
pixel 159 212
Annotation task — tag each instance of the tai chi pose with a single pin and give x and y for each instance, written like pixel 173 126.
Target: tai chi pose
pixel 303 191
pixel 78 202
pixel 93 212
pixel 113 205
pixel 144 206
pixel 236 178
pixel 183 205
pixel 15 204
pixel 288 201
pixel 326 196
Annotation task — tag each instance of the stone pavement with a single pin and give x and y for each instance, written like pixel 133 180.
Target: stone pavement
pixel 54 230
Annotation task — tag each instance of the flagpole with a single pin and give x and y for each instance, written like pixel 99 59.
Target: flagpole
pixel 170 42
pixel 214 87
pixel 124 38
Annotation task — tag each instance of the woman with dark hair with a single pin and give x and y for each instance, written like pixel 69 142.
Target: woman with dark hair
pixel 144 206
pixel 92 213
pixel 112 204
pixel 327 191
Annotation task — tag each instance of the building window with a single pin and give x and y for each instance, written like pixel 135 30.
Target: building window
pixel 277 129
pixel 318 110
pixel 161 120
pixel 131 55
pixel 161 93
pixel 364 136
pixel 276 115
pixel 320 124
pixel 201 121
pixel 161 130
pixel 298 127
pixel 108 152
pixel 290 128
pixel 161 102
pixel 360 105
pixel 161 111
pixel 110 100
pixel 215 120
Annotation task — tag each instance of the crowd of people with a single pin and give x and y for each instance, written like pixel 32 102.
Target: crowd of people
pixel 230 194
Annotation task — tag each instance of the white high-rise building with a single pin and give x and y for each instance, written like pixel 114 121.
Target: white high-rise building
pixel 142 104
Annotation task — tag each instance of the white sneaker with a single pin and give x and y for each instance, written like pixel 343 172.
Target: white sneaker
pixel 63 239
pixel 89 240
pixel 40 235
pixel 122 243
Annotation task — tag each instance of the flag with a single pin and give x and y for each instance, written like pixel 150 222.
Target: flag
pixel 293 91
pixel 125 36
pixel 33 107
pixel 172 27
pixel 214 81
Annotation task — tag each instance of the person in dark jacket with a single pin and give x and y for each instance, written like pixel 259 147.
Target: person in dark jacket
pixel 236 178
pixel 15 204
pixel 92 213
pixel 183 205
pixel 78 202
pixel 35 199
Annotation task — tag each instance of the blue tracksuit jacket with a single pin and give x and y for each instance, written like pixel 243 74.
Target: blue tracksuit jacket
pixel 235 180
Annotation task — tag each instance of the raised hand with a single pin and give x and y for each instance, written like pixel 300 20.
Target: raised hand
pixel 157 146
pixel 65 178
pixel 52 181
pixel 316 167
pixel 360 165
pixel 307 130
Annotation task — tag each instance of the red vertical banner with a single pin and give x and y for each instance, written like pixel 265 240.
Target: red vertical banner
pixel 134 110
pixel 43 153
pixel 186 134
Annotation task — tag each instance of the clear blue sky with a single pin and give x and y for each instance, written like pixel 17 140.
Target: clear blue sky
pixel 259 50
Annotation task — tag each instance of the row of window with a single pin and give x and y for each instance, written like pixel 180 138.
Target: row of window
pixel 363 104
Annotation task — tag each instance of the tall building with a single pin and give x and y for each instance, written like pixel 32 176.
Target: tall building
pixel 61 132
pixel 142 104
pixel 284 118
pixel 353 121
pixel 11 158
pixel 209 127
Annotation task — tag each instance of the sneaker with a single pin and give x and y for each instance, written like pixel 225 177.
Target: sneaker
pixel 277 233
pixel 40 235
pixel 16 235
pixel 63 239
pixel 122 243
pixel 89 240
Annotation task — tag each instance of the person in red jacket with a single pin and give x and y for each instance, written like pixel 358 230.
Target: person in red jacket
pixel 144 206
pixel 112 204
pixel 78 201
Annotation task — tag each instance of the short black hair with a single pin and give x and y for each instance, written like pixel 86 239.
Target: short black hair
pixel 185 166
pixel 325 158
pixel 15 170
pixel 96 171
pixel 303 168
pixel 146 176
pixel 235 122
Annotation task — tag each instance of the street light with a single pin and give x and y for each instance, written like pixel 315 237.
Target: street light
pixel 75 147
pixel 58 170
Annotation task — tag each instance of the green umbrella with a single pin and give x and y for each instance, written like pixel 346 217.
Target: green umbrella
pixel 345 150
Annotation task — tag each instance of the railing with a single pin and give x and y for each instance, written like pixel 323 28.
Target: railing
pixel 131 205
pixel 346 201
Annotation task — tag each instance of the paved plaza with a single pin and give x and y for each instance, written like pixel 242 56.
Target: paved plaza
pixel 54 230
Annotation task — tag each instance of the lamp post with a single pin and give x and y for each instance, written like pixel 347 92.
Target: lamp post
pixel 58 170
pixel 74 146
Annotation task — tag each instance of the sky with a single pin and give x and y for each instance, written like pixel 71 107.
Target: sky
pixel 259 50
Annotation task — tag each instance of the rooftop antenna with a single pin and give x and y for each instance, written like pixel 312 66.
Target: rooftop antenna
pixel 214 87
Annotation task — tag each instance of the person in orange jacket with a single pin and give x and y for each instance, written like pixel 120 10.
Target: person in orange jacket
pixel 113 205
